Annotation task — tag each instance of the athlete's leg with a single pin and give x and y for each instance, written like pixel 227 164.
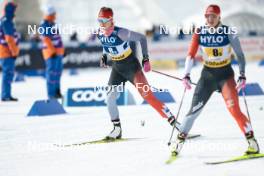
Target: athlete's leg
pixel 112 95
pixel 230 96
pixel 116 80
pixel 229 93
pixel 204 89
pixel 141 83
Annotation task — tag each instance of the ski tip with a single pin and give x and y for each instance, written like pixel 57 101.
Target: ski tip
pixel 171 160
pixel 192 136
pixel 212 163
pixel 236 159
pixel 173 157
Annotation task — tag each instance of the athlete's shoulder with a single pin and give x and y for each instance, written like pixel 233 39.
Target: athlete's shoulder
pixel 117 28
pixel 120 28
pixel 122 31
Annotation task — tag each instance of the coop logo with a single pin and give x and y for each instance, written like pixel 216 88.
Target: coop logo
pixel 89 95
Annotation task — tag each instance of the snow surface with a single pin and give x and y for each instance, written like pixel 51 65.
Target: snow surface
pixel 26 144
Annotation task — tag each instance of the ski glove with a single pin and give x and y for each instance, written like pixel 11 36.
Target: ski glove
pixel 186 81
pixel 146 64
pixel 103 61
pixel 241 82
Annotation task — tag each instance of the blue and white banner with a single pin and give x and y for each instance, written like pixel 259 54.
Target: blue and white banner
pixel 91 96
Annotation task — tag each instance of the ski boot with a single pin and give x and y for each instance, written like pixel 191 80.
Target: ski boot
pixel 116 133
pixel 253 147
pixel 176 148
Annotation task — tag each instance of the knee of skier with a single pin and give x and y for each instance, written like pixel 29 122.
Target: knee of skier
pixel 111 96
pixel 232 106
pixel 230 103
pixel 190 116
pixel 193 113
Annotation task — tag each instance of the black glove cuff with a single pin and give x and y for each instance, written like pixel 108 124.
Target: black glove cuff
pixel 187 77
pixel 242 76
pixel 145 57
pixel 104 58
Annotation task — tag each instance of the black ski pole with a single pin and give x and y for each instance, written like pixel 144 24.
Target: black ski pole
pixel 178 113
pixel 174 77
pixel 246 105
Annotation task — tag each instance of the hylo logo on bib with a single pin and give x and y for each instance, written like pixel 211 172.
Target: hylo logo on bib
pixel 212 39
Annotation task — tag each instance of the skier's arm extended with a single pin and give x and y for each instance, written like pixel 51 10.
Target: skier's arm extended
pixel 234 41
pixel 128 35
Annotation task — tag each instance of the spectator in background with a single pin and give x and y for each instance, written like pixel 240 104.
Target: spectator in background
pixel 181 35
pixel 9 50
pixel 92 38
pixel 34 40
pixel 74 37
pixel 53 52
pixel 156 33
pixel 192 30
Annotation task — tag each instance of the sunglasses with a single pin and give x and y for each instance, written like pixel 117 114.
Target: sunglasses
pixel 210 15
pixel 103 20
